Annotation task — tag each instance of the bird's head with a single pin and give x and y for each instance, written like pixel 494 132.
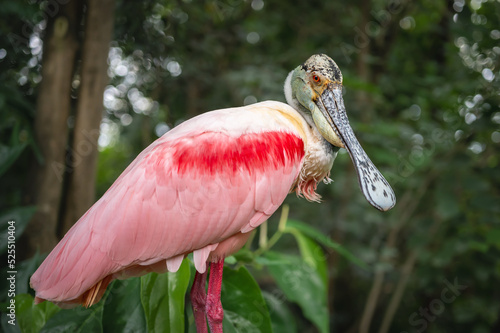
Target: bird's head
pixel 315 89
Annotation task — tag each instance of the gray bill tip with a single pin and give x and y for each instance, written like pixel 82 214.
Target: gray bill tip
pixel 374 186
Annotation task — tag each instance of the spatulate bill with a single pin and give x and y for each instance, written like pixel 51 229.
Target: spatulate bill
pixel 374 186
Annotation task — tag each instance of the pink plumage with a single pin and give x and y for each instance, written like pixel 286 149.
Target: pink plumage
pixel 200 188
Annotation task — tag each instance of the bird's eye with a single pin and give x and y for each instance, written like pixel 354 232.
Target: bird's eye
pixel 316 78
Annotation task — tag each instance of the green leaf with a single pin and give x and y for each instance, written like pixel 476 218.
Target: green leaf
pixel 282 319
pixel 358 84
pixel 77 320
pixel 8 155
pixel 303 285
pixel 322 239
pixel 12 225
pixel 230 260
pixel 245 309
pixel 478 246
pixel 267 261
pixel 162 297
pixel 31 317
pixel 232 321
pixel 311 252
pixel 446 205
pixel 242 256
pixel 123 311
pixel 8 326
pixel 24 272
pixel 493 237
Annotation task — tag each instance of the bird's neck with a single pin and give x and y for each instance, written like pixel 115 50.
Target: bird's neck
pixel 294 103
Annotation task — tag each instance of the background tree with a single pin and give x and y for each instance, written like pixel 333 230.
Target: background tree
pixel 76 37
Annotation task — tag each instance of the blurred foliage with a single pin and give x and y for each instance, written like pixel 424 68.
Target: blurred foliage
pixel 421 89
pixel 155 302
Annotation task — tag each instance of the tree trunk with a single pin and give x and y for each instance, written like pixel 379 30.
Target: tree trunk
pixel 80 193
pixel 53 106
pixel 63 186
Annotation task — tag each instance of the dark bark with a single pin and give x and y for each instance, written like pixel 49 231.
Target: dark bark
pixel 80 192
pixel 63 187
pixel 53 108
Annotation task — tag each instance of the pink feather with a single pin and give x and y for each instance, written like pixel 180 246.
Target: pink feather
pixel 190 190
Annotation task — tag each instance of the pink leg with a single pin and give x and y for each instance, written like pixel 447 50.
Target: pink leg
pixel 198 301
pixel 215 314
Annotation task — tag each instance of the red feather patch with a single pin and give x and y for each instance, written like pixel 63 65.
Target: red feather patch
pixel 216 153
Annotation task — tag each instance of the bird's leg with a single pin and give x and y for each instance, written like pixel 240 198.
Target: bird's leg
pixel 198 301
pixel 215 314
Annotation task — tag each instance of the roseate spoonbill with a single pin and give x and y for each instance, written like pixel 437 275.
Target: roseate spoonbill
pixel 203 186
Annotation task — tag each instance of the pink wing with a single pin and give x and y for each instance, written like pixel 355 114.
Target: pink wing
pixel 181 194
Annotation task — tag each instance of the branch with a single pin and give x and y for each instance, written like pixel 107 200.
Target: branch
pixel 410 204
